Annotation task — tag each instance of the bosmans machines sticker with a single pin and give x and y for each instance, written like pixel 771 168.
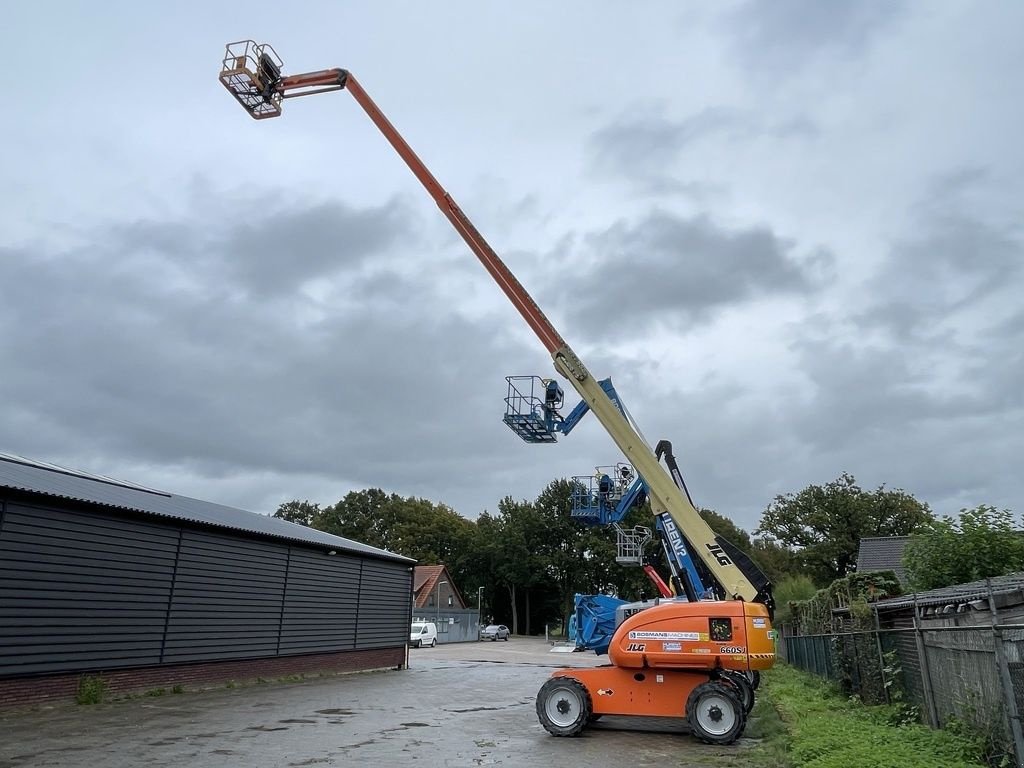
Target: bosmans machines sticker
pixel 693 637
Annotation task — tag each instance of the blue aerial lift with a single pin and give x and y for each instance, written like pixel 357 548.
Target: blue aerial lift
pixel 533 411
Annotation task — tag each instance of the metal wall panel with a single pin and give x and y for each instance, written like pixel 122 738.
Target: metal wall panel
pixel 321 602
pixel 384 587
pixel 81 591
pixel 227 598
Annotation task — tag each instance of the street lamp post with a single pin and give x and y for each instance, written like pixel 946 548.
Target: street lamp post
pixel 437 603
pixel 479 605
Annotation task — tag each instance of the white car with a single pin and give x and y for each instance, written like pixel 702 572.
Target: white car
pixel 423 633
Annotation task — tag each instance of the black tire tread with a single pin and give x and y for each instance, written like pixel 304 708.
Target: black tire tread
pixel 744 689
pixel 585 713
pixel 726 691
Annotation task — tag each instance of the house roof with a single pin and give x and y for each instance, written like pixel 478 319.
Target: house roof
pixel 58 482
pixel 426 578
pixel 883 553
pixel 958 593
pixel 424 575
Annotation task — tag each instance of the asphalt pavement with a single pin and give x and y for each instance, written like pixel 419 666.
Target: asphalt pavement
pixel 460 705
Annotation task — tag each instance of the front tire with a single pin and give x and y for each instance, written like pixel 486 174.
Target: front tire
pixel 715 714
pixel 563 706
pixel 433 642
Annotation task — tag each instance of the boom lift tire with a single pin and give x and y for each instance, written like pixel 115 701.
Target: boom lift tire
pixel 744 688
pixel 715 714
pixel 563 706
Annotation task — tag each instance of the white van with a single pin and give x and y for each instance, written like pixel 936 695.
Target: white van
pixel 423 633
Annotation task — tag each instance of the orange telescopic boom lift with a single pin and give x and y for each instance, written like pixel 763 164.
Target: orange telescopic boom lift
pixel 676 659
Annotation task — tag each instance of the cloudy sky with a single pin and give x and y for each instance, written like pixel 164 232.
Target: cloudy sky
pixel 790 231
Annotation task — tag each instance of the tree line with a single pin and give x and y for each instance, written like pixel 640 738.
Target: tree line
pixel 531 557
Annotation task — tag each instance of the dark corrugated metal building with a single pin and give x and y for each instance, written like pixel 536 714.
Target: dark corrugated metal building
pixel 106 578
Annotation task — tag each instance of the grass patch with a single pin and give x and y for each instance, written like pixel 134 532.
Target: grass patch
pixel 156 691
pixel 765 725
pixel 91 689
pixel 825 730
pixel 178 689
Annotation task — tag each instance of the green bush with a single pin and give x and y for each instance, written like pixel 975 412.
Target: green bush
pixel 792 589
pixel 91 689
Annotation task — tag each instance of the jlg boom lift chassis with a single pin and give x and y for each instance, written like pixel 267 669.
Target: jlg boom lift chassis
pixel 676 659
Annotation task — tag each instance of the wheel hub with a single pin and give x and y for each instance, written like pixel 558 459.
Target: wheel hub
pixel 563 706
pixel 715 713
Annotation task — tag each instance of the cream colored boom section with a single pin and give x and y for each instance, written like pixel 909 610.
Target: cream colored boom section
pixel 665 496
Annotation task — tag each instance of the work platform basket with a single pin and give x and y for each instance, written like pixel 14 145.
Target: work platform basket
pixel 630 544
pixel 251 71
pixel 595 497
pixel 531 408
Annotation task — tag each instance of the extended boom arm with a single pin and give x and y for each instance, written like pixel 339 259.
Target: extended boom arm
pixel 255 81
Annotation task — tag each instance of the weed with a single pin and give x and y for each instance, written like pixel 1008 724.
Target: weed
pixel 985 733
pixel 178 689
pixel 767 726
pixel 156 691
pixel 827 730
pixel 90 689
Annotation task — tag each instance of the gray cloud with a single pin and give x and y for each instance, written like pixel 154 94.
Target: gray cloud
pixel 959 259
pixel 284 248
pixel 255 346
pixel 258 244
pixel 644 149
pixel 927 391
pixel 786 35
pixel 667 270
pixel 370 384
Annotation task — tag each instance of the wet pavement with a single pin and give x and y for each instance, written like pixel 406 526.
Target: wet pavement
pixel 460 705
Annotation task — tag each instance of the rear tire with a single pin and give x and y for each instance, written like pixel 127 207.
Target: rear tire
pixel 563 706
pixel 715 714
pixel 744 689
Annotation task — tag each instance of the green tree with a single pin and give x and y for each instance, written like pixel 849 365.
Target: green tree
pixel 825 524
pixel 777 561
pixel 726 528
pixel 427 532
pixel 301 512
pixel 518 546
pixel 983 542
pixel 791 589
